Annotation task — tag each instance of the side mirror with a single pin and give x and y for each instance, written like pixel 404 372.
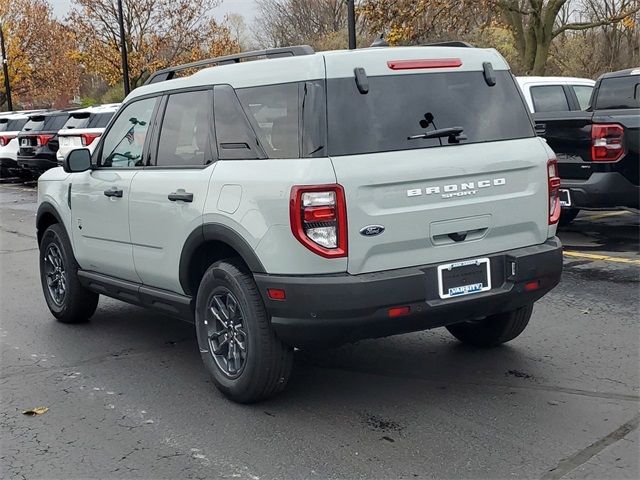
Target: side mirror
pixel 78 160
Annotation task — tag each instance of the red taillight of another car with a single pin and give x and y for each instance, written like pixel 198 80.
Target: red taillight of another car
pixel 42 140
pixel 5 139
pixel 554 191
pixel 88 138
pixel 606 142
pixel 318 217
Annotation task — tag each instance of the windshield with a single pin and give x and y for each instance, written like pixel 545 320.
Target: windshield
pixel 398 107
pixel 619 93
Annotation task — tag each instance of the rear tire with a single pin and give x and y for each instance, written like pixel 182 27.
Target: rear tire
pixel 493 330
pixel 246 359
pixel 66 298
pixel 567 216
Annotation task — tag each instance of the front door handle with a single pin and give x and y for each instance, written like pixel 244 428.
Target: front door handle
pixel 113 192
pixel 181 195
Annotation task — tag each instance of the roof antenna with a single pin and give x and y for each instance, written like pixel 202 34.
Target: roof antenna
pixel 380 41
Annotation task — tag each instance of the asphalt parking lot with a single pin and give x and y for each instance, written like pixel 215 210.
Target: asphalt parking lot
pixel 128 397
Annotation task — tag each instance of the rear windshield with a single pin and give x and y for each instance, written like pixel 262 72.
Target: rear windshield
pixel 12 125
pixel 399 106
pixel 100 120
pixel 77 120
pixel 619 92
pixel 42 123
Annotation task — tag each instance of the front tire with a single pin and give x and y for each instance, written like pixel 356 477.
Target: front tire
pixel 493 330
pixel 239 348
pixel 66 298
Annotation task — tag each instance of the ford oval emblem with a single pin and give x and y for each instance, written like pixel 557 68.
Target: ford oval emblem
pixel 372 230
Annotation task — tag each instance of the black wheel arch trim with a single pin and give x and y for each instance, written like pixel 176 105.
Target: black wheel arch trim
pixel 47 208
pixel 221 233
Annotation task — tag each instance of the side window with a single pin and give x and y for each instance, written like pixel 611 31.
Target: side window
pixel 549 98
pixel 236 139
pixel 274 114
pixel 123 144
pixel 583 92
pixel 184 137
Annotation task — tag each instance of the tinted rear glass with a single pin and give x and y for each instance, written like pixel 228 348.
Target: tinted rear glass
pixel 100 120
pixel 619 92
pixel 383 119
pixel 550 98
pixel 12 125
pixel 34 124
pixel 77 120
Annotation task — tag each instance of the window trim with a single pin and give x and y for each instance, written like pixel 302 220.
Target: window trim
pixel 152 160
pixel 97 154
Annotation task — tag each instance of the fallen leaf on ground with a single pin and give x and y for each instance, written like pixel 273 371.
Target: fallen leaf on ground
pixel 36 411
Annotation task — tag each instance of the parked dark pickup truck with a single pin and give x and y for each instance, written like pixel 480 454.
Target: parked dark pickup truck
pixel 598 149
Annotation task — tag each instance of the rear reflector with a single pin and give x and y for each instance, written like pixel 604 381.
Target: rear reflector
pixel 430 63
pixel 399 312
pixel 276 294
pixel 531 286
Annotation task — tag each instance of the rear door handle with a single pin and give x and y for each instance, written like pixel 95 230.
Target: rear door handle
pixel 113 192
pixel 181 195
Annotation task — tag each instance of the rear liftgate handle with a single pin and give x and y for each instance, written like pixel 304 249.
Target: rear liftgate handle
pixel 181 195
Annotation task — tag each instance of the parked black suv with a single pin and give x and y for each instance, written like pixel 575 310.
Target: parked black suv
pixel 598 149
pixel 38 141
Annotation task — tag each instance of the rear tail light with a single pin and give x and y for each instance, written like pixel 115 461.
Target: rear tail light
pixel 42 140
pixel 5 139
pixel 88 138
pixel 606 143
pixel 554 191
pixel 428 63
pixel 318 217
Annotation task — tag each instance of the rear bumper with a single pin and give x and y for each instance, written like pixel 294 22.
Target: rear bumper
pixel 7 162
pixel 39 163
pixel 603 190
pixel 334 309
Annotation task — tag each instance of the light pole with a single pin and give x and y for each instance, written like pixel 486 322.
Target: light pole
pixel 351 20
pixel 5 69
pixel 123 52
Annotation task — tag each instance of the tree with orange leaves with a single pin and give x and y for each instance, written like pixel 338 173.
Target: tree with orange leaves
pixel 159 33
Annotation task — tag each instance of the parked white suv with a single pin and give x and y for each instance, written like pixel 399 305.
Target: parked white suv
pixel 10 125
pixel 84 127
pixel 556 94
pixel 310 198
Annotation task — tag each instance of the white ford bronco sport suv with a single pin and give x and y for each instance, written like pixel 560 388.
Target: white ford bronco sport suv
pixel 310 198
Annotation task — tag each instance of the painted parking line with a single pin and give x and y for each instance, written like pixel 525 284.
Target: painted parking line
pixel 600 216
pixel 602 258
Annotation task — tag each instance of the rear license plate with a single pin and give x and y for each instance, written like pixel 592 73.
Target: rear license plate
pixel 24 142
pixel 464 278
pixel 565 198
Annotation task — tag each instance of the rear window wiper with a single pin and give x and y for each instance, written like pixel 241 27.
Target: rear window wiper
pixel 454 134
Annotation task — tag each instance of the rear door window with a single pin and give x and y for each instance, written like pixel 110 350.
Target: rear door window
pixel 583 94
pixel 274 114
pixel 618 93
pixel 185 136
pixel 549 98
pixel 399 106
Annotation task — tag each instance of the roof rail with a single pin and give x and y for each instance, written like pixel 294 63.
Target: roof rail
pixel 455 43
pixel 169 73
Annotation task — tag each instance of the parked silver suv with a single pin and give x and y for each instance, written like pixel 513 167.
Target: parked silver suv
pixel 310 198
